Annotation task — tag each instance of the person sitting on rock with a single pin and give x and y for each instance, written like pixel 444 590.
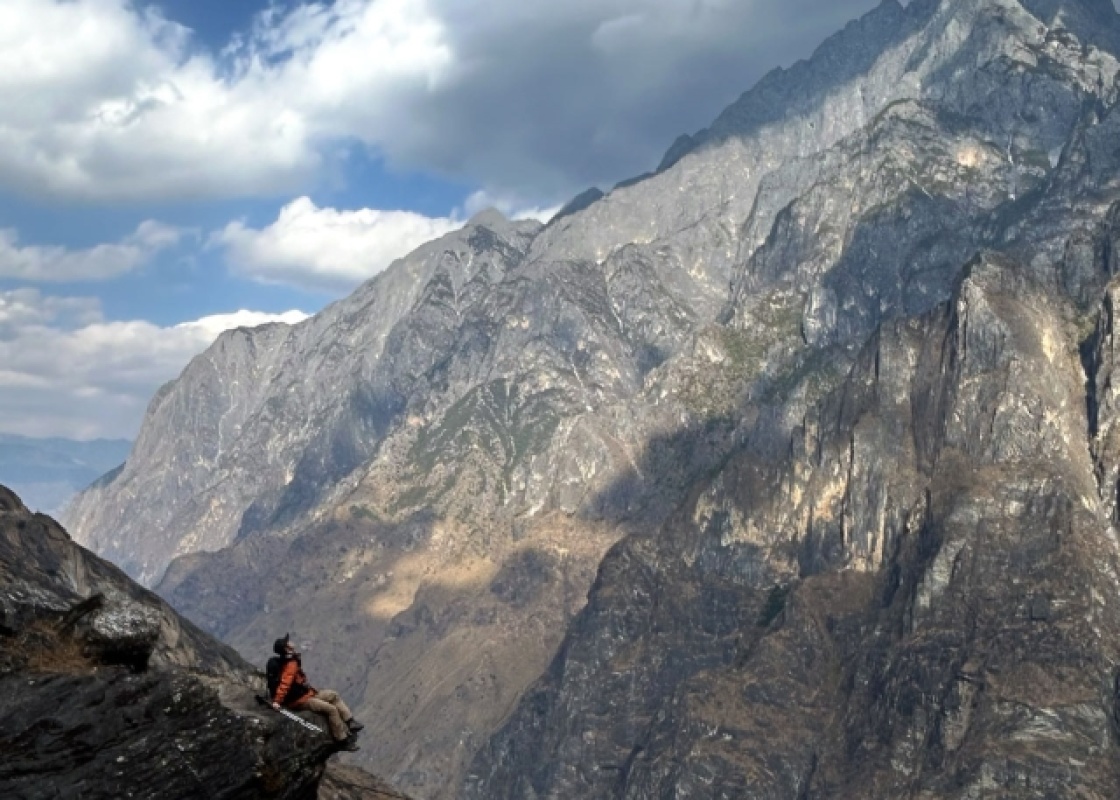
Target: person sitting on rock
pixel 288 687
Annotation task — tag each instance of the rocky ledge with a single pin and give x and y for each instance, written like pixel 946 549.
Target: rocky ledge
pixel 106 692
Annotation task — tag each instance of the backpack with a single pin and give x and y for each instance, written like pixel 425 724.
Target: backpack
pixel 272 672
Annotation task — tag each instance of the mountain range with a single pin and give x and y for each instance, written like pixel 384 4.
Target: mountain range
pixel 788 470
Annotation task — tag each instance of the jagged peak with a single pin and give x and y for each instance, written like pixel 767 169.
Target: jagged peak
pixel 1049 9
pixel 1094 22
pixel 498 223
pixel 849 56
pixel 488 217
pixel 578 203
pixel 842 57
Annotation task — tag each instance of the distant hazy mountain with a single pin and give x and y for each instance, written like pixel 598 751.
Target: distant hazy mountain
pixel 48 472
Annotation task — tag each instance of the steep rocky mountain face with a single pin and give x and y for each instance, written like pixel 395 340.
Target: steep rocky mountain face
pixel 919 598
pixel 106 692
pixel 857 497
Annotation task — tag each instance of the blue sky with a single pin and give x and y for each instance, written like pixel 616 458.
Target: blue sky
pixel 171 169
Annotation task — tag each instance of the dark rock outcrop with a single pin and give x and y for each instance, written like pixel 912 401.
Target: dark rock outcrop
pixel 106 693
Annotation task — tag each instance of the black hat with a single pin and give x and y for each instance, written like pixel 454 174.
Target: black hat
pixel 280 646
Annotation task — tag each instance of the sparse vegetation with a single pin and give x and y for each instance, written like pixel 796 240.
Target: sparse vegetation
pixel 493 418
pixel 410 498
pixel 364 513
pixel 715 389
pixel 47 650
pixel 816 370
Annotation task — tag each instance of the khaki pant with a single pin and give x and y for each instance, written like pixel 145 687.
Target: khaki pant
pixel 327 703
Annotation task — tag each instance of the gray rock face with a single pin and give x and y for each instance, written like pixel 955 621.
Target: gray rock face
pixel 830 459
pixel 917 599
pixel 261 423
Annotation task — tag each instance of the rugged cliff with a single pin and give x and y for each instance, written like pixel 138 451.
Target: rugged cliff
pixel 423 480
pixel 917 598
pixel 105 692
pixel 904 582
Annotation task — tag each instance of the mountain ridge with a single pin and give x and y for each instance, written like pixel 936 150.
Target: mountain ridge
pixel 536 396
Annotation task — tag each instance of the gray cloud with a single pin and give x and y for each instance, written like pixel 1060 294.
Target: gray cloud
pixel 526 99
pixel 593 91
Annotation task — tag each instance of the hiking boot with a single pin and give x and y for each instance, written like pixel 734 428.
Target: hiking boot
pixel 349 744
pixel 354 725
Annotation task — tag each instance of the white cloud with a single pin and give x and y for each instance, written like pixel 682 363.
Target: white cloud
pixel 101 100
pixel 326 249
pixel 23 307
pixel 210 327
pixel 68 372
pixel 58 264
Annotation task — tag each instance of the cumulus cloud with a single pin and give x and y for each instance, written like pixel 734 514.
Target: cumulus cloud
pixel 66 371
pixel 23 307
pixel 59 264
pixel 326 249
pixel 104 99
pixel 101 99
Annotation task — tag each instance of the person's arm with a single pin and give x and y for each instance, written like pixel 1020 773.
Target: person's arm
pixel 287 675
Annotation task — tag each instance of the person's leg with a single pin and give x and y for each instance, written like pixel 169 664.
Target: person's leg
pixel 335 699
pixel 339 731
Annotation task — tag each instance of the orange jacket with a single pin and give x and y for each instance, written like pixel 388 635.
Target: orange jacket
pixel 293 686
